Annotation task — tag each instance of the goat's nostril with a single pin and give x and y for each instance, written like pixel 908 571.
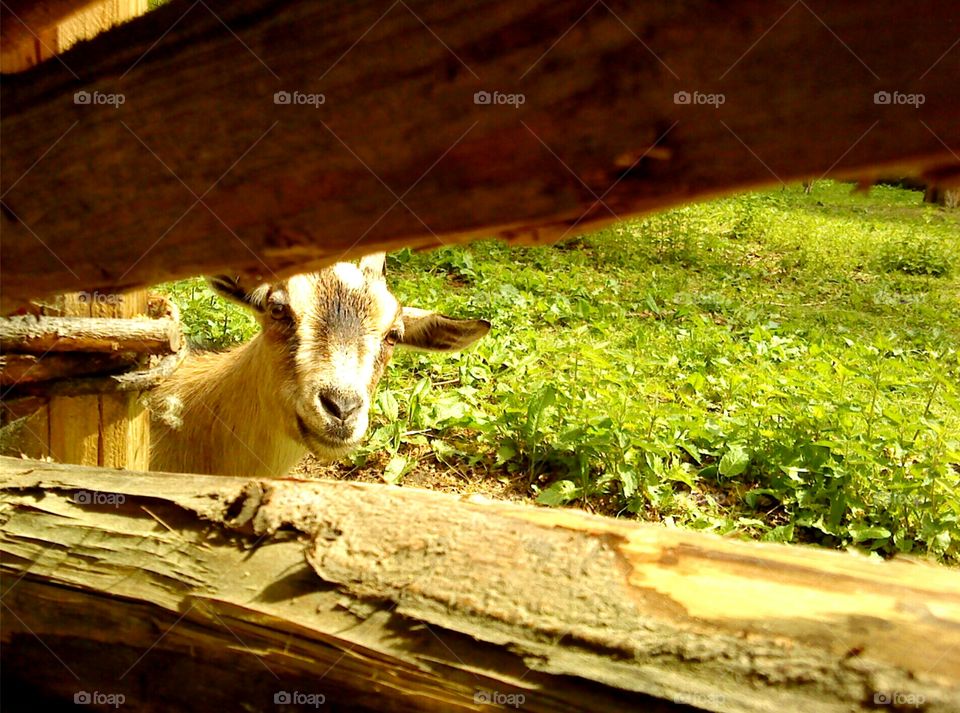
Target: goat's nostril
pixel 339 404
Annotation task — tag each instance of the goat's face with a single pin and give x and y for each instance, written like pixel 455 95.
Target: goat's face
pixel 331 334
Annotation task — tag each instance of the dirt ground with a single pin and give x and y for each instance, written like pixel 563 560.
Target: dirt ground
pixel 431 474
pixel 427 473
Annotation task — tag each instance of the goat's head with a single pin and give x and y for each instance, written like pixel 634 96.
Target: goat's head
pixel 330 334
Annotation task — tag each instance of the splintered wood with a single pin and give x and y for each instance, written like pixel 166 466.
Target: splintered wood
pixel 400 599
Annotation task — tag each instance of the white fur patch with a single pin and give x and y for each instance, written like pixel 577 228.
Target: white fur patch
pixel 387 305
pixel 350 275
pixel 302 292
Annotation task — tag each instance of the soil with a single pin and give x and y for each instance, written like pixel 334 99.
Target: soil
pixel 457 478
pixel 427 473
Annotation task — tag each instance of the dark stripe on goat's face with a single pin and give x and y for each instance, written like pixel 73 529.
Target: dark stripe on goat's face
pixel 342 314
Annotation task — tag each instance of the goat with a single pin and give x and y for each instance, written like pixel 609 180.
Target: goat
pixel 304 382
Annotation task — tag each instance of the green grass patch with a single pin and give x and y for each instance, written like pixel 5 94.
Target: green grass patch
pixel 779 365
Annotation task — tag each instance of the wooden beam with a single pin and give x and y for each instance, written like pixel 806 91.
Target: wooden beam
pixel 30 368
pixel 40 335
pixel 199 169
pixel 401 599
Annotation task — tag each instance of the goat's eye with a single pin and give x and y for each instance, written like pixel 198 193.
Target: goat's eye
pixel 393 336
pixel 278 311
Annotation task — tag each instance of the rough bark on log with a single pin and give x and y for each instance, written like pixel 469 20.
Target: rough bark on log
pixel 31 368
pixel 620 115
pixel 41 335
pixel 415 600
pixel 127 382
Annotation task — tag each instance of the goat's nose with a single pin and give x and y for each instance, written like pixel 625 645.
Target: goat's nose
pixel 339 404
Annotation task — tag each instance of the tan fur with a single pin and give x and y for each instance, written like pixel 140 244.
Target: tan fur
pixel 220 414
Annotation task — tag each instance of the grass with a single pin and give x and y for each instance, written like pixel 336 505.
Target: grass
pixel 779 365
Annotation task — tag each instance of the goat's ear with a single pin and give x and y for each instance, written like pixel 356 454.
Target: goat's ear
pixel 374 265
pixel 428 330
pixel 249 293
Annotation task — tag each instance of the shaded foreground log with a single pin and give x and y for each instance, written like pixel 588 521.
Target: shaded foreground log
pixel 616 119
pixel 189 592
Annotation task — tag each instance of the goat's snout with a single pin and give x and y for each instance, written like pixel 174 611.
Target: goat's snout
pixel 339 404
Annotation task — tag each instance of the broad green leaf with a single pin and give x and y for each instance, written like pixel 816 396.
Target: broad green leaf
pixel 396 469
pixel 863 532
pixel 388 405
pixel 560 493
pixel 734 462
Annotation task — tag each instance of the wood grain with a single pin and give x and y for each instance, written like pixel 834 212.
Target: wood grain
pixel 238 181
pixel 325 584
pixel 41 335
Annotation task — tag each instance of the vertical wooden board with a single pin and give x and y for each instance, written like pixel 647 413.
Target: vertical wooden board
pixel 74 422
pixel 40 46
pixel 138 435
pixel 124 424
pixel 95 19
pixel 75 429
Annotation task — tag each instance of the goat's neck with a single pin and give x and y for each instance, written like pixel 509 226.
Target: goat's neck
pixel 234 421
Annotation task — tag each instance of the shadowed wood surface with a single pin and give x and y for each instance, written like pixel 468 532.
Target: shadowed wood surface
pixel 424 600
pixel 179 160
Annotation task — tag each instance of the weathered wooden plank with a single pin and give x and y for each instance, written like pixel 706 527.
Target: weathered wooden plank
pixel 399 153
pixel 74 424
pixel 422 599
pixel 40 335
pixel 124 431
